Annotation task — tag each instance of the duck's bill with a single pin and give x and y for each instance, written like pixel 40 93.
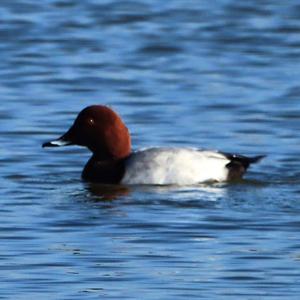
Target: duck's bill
pixel 57 143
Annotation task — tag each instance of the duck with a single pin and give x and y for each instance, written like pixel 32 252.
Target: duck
pixel 103 132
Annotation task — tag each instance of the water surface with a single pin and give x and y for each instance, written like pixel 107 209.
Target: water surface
pixel 213 74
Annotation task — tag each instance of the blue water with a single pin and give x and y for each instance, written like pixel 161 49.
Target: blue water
pixel 214 74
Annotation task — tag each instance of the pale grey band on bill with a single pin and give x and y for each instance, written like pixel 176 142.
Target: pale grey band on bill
pixel 57 143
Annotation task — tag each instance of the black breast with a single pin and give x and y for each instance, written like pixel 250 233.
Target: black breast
pixel 107 171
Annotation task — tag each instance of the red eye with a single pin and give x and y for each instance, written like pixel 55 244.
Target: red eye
pixel 91 121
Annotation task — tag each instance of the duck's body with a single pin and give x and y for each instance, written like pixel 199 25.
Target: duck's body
pixel 175 166
pixel 103 132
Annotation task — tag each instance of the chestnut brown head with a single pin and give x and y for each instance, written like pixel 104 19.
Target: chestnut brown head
pixel 100 129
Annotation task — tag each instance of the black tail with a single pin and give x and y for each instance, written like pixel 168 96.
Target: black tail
pixel 239 164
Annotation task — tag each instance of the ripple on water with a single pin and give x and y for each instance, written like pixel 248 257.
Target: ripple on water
pixel 198 73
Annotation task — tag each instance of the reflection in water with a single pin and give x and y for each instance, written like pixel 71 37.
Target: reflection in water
pixel 182 194
pixel 103 192
pixel 196 196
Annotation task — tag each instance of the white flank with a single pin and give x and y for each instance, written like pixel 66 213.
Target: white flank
pixel 180 166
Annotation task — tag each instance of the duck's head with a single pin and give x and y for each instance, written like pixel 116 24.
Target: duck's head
pixel 100 129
